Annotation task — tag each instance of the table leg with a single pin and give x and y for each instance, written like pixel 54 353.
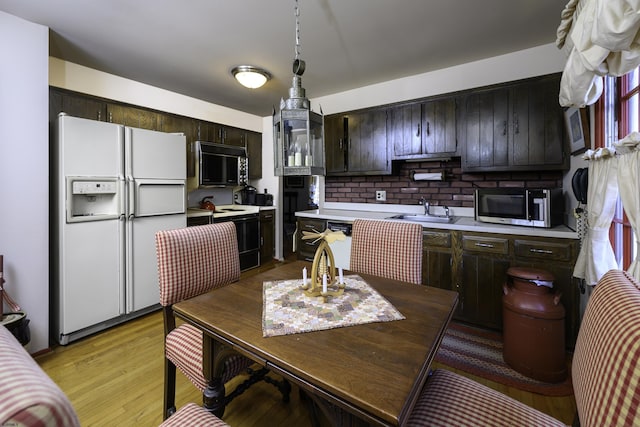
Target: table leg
pixel 213 396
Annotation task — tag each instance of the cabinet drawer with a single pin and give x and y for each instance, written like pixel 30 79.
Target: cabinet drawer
pixel 436 239
pixel 492 245
pixel 198 220
pixel 311 225
pixel 544 250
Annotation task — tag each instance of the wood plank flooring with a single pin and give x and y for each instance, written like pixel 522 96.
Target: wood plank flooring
pixel 116 378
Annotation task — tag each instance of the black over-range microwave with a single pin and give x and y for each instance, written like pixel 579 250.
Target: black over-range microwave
pixel 519 206
pixel 219 164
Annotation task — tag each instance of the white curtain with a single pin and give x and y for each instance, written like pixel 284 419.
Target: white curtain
pixel 600 37
pixel 596 254
pixel 629 183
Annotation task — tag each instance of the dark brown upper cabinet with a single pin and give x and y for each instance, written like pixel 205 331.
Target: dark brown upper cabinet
pixel 356 143
pixel 517 127
pixel 423 130
pixel 254 154
pixel 132 116
pixel 335 142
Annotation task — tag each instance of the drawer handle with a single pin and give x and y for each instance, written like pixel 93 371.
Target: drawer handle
pixel 484 245
pixel 541 251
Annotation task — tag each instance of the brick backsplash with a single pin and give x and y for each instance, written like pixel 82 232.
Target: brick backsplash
pixel 455 190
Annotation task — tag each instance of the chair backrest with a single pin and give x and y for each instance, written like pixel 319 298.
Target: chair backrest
pixel 390 249
pixel 27 395
pixel 606 362
pixel 195 260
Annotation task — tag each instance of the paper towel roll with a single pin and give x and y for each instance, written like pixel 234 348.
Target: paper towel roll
pixel 435 176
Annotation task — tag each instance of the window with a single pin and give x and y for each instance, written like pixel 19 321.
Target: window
pixel 618 113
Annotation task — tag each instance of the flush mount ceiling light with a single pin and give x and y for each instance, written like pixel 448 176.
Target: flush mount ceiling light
pixel 250 76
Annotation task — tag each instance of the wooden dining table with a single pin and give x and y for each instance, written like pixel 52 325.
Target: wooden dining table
pixel 357 375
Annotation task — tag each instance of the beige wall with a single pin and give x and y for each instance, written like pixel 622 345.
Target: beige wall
pixel 75 77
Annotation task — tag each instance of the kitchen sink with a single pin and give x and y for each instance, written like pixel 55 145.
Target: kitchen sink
pixel 424 218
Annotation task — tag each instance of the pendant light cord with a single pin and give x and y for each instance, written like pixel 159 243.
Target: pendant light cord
pixel 297 15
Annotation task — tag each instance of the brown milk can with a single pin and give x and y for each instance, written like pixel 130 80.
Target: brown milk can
pixel 533 325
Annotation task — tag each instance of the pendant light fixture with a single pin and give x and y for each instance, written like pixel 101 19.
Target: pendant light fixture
pixel 298 135
pixel 250 76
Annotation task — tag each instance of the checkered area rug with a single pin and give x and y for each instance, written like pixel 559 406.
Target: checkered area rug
pixel 287 310
pixel 479 352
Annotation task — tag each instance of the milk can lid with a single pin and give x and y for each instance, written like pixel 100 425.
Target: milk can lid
pixel 532 274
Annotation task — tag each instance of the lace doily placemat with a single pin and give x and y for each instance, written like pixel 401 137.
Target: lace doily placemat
pixel 287 310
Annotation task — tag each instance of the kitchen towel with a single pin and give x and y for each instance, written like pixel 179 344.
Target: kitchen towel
pixel 434 176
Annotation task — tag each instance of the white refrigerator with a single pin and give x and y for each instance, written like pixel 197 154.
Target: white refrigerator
pixel 116 186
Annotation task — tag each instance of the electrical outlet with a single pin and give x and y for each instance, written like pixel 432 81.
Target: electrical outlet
pixel 381 196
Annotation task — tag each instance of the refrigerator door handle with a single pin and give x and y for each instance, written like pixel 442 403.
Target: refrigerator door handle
pixel 123 271
pixel 122 201
pixel 131 193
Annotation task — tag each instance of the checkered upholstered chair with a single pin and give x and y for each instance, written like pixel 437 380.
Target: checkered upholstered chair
pixel 390 249
pixel 28 397
pixel 193 261
pixel 192 415
pixel 605 373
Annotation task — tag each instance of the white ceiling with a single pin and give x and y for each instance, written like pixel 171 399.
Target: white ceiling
pixel 189 47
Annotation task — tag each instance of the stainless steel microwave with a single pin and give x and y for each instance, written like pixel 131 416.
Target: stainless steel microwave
pixel 219 165
pixel 519 206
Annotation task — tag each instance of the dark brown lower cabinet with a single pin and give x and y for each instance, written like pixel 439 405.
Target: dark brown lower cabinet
pixel 267 233
pixel 479 267
pixel 306 249
pixel 482 267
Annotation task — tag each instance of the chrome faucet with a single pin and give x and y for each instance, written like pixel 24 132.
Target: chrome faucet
pixel 426 204
pixel 446 211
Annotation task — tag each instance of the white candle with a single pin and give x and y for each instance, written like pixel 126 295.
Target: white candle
pixel 307 160
pixel 291 160
pixel 340 274
pixel 324 283
pixel 298 159
pixel 304 276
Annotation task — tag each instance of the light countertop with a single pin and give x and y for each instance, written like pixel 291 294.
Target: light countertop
pixel 463 223
pixel 232 210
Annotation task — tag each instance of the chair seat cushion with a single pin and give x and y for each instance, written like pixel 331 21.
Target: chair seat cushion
pixel 183 347
pixel 449 399
pixel 193 415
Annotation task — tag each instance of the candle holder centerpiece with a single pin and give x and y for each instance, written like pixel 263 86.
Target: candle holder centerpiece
pixel 323 281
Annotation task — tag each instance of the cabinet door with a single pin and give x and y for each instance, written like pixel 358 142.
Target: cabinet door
pixel 557 256
pixel 367 144
pixel 82 106
pixel 208 131
pixel 134 117
pixel 266 236
pixel 405 130
pixel 537 129
pixel 335 143
pixel 483 127
pixel 254 154
pixel 436 259
pixel 233 136
pixel 439 127
pixel 485 260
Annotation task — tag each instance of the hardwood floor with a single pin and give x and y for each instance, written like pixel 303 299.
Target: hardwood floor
pixel 116 378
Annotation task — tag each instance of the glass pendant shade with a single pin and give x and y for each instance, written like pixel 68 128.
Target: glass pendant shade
pixel 298 142
pixel 298 134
